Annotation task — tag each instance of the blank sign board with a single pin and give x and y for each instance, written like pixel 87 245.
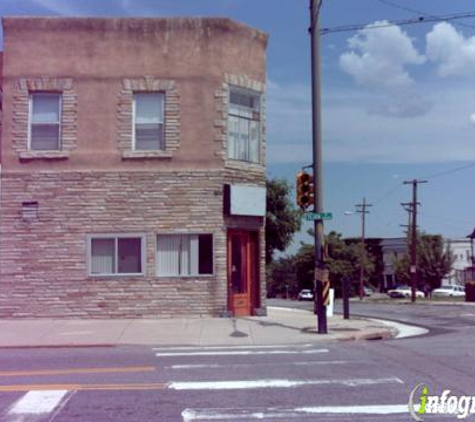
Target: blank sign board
pixel 245 200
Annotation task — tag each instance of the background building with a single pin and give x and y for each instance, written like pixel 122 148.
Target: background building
pixel 461 253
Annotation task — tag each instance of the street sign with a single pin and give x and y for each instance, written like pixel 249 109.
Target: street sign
pixel 317 216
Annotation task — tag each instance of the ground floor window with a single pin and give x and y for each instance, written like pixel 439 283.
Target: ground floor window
pixel 184 254
pixel 122 254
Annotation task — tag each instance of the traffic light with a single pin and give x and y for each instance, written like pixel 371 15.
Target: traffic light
pixel 304 189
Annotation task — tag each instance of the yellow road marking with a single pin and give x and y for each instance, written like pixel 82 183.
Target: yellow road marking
pixel 82 387
pixel 125 369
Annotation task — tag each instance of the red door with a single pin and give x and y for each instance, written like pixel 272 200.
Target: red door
pixel 242 272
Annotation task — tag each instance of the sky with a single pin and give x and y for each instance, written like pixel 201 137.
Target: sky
pixel 398 101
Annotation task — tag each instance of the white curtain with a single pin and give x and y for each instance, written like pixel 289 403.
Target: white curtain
pixel 254 141
pixel 103 256
pixel 177 255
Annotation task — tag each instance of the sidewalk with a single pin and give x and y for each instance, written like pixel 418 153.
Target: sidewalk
pixel 281 326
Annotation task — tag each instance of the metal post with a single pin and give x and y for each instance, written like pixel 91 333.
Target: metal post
pixel 346 297
pixel 317 164
pixel 413 267
pixel 414 242
pixel 361 208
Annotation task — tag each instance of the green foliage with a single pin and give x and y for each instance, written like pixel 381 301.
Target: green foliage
pixel 343 260
pixel 282 218
pixel 282 278
pixel 433 263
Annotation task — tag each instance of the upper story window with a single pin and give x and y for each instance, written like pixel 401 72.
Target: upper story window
pixel 148 122
pixel 244 125
pixel 45 122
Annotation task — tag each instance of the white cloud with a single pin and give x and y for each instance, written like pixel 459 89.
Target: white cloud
pixel 454 53
pixel 441 135
pixel 472 119
pixel 377 57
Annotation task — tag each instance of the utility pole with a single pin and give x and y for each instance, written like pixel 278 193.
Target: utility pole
pixel 321 274
pixel 413 250
pixel 361 209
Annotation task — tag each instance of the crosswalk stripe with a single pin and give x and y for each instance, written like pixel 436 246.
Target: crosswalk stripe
pixel 38 402
pixel 242 352
pixel 248 365
pixel 277 383
pixel 191 415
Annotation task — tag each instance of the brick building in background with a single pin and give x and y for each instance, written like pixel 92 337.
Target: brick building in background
pixel 133 168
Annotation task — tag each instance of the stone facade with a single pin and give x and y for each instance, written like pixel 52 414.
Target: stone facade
pixel 97 185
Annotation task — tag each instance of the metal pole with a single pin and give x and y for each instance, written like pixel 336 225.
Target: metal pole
pixel 363 220
pixel 361 208
pixel 413 267
pixel 346 297
pixel 414 242
pixel 317 164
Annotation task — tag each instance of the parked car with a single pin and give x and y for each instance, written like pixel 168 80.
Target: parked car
pixel 449 291
pixel 305 294
pixel 403 292
pixel 367 291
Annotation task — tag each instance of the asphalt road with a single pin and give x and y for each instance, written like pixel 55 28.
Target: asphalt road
pixel 316 382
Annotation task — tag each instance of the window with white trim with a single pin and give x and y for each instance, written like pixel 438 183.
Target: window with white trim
pixel 148 121
pixel 45 122
pixel 110 255
pixel 244 125
pixel 184 254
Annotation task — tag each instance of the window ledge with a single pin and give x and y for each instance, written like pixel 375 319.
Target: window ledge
pixel 43 155
pixel 243 165
pixel 140 155
pixel 187 277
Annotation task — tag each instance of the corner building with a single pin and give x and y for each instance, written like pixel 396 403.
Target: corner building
pixel 133 168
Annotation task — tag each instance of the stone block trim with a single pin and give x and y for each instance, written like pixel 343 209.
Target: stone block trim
pixel 171 115
pixel 221 96
pixel 69 103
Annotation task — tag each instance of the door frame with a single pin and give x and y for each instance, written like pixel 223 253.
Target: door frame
pixel 244 304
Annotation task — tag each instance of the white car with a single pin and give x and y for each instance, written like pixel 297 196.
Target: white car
pixel 305 294
pixel 404 292
pixel 449 291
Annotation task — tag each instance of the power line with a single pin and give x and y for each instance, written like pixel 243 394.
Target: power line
pixel 388 194
pixel 418 12
pixel 404 22
pixel 455 170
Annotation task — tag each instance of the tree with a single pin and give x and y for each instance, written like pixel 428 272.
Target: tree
pixel 343 260
pixel 433 263
pixel 282 278
pixel 282 218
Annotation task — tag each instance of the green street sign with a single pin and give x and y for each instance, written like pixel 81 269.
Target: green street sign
pixel 310 216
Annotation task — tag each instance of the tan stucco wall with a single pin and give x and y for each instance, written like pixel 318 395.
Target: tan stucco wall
pixel 98 54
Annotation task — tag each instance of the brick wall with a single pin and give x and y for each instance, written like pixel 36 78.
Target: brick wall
pixel 44 271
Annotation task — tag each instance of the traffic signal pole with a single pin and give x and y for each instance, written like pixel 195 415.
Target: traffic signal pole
pixel 320 272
